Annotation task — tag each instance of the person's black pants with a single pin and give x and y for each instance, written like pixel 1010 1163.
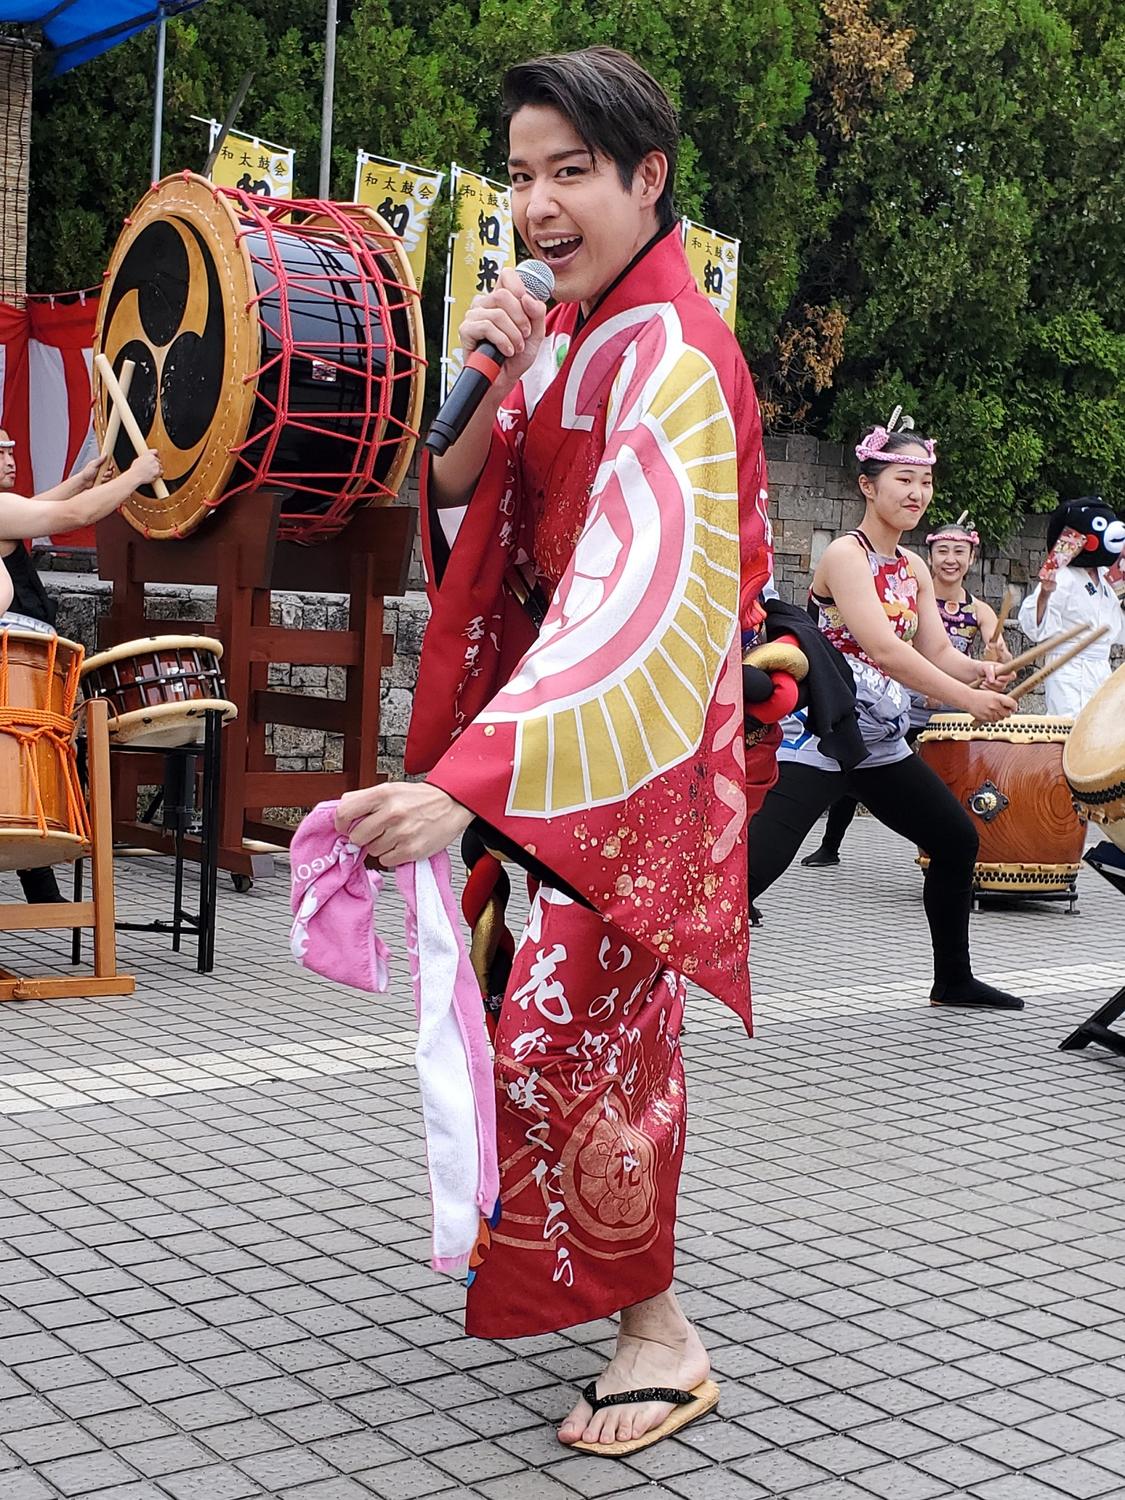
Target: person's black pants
pixel 844 809
pixel 40 884
pixel 906 797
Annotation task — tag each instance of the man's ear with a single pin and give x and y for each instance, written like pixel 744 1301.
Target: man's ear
pixel 652 170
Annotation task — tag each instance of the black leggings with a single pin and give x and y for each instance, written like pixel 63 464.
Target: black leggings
pixel 908 798
pixel 844 809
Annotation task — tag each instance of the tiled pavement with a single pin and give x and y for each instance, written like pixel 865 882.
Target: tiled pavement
pixel 902 1230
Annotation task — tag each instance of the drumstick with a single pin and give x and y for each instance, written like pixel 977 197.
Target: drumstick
pixel 1026 658
pixel 128 420
pixel 113 426
pixel 1002 618
pixel 1044 672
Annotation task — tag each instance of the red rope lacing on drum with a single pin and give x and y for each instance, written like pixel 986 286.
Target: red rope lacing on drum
pixel 33 727
pixel 329 497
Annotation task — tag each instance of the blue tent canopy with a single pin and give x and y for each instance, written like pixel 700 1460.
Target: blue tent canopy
pixel 79 29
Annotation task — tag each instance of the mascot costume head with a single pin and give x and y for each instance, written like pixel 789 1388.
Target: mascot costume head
pixel 1093 518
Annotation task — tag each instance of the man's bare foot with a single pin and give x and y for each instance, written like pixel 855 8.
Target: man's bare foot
pixel 656 1345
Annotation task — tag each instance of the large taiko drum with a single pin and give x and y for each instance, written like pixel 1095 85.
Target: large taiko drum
pixel 160 689
pixel 1010 778
pixel 43 818
pixel 1094 758
pixel 277 344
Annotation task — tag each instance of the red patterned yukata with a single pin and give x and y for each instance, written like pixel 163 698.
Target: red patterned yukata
pixel 626 478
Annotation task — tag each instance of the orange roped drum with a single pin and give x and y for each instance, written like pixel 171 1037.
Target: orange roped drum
pixel 1010 778
pixel 43 818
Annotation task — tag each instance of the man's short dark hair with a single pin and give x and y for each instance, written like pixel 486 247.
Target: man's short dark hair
pixel 618 109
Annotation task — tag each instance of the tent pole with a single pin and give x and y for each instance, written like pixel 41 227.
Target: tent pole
pixel 326 109
pixel 158 93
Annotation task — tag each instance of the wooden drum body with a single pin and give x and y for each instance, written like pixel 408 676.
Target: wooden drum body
pixel 43 819
pixel 1094 758
pixel 1010 778
pixel 269 354
pixel 159 689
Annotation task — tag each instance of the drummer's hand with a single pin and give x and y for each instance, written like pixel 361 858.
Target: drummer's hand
pixel 513 320
pixel 145 468
pixel 1049 584
pixel 988 707
pixel 992 675
pixel 401 820
pixel 89 474
pixel 998 652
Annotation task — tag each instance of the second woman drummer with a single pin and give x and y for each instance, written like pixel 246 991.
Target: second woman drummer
pixel 875 603
pixel 967 620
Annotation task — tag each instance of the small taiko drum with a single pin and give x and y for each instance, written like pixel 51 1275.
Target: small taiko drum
pixel 159 689
pixel 1010 778
pixel 277 345
pixel 1094 758
pixel 43 818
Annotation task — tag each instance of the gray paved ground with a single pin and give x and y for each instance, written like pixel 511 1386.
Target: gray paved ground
pixel 903 1231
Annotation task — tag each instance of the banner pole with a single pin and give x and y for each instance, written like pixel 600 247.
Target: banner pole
pixel 158 94
pixel 326 107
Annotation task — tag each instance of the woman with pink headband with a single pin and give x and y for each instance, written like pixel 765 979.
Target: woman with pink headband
pixel 968 621
pixel 875 603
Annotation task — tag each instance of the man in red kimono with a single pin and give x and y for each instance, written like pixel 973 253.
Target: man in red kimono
pixel 595 541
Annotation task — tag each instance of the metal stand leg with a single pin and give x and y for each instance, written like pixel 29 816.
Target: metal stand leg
pixel 1096 1029
pixel 209 839
pixel 76 932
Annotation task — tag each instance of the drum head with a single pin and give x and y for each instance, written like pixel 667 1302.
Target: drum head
pixel 149 646
pixel 1094 758
pixel 1026 729
pixel 167 725
pixel 179 302
pixel 27 849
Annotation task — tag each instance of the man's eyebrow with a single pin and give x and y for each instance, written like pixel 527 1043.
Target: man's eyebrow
pixel 518 161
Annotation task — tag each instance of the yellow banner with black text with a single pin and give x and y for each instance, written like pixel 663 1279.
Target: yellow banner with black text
pixel 402 195
pixel 713 259
pixel 481 245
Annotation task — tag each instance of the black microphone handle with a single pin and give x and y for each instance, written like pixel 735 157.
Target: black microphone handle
pixel 468 392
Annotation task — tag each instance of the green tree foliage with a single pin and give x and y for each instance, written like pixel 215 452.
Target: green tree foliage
pixel 975 249
pixel 929 198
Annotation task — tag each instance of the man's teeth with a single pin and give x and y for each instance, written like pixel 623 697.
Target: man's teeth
pixel 571 239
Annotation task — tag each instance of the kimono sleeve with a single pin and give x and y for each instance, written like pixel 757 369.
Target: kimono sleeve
pixel 614 754
pixel 476 630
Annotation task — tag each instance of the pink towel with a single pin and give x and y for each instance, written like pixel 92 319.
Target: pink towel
pixel 333 904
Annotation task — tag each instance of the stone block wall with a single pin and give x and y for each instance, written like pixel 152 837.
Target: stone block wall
pixel 813 498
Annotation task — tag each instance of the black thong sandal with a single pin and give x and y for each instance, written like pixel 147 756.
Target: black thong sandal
pixel 687 1406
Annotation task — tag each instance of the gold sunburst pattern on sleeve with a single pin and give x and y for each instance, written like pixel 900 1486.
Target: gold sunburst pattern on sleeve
pixel 593 746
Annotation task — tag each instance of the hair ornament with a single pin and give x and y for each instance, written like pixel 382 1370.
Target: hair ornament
pixel 875 442
pixel 955 531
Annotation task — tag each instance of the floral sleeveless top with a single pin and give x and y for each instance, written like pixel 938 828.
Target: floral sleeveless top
pixel 897 587
pixel 961 624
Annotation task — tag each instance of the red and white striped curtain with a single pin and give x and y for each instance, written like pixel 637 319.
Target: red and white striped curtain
pixel 46 352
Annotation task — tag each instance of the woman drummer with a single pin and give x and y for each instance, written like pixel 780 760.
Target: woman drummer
pixel 967 620
pixel 77 501
pixel 875 602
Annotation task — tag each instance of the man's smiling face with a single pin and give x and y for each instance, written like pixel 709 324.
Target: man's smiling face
pixel 572 209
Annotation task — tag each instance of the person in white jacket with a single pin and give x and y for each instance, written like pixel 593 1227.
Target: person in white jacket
pixel 1078 594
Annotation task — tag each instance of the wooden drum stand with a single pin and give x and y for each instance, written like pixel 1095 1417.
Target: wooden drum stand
pixel 237 551
pixel 16 916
